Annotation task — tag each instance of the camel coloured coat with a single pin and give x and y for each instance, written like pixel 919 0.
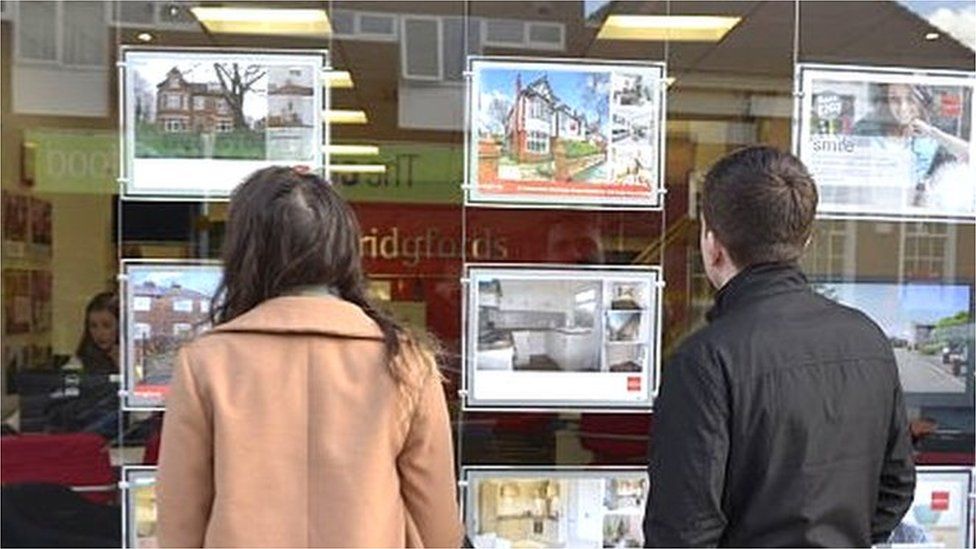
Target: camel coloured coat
pixel 285 428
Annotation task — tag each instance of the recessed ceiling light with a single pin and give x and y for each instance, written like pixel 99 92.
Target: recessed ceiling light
pixel 357 168
pixel 342 116
pixel 351 150
pixel 678 28
pixel 338 79
pixel 932 36
pixel 291 22
pixel 144 37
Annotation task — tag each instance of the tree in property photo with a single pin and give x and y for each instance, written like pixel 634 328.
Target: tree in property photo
pixel 235 84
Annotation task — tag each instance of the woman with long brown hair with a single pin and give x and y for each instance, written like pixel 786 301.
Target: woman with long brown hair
pixel 306 417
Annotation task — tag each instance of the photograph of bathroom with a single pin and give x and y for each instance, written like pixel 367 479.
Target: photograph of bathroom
pixel 530 323
pixel 552 510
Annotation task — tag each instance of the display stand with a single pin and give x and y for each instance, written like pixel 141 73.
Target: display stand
pixel 585 343
pixel 163 302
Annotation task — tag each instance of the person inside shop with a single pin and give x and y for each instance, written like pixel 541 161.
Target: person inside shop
pixel 781 422
pixel 905 112
pixel 98 347
pixel 306 417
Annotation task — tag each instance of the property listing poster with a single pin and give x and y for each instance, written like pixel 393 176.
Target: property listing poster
pixel 562 507
pixel 16 224
pixel 889 143
pixel 940 514
pixel 198 123
pixel 140 508
pixel 546 133
pixel 41 226
pixel 17 301
pixel 166 304
pixel 543 337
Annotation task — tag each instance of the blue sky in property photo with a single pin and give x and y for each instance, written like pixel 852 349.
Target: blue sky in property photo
pixel 586 92
pixel 895 307
pixel 200 279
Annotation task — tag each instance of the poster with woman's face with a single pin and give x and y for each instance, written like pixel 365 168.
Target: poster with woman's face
pixel 889 143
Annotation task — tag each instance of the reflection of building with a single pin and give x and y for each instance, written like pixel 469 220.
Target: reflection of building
pixel 173 311
pixel 183 106
pixel 537 118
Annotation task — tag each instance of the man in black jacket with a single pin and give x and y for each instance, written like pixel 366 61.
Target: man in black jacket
pixel 782 422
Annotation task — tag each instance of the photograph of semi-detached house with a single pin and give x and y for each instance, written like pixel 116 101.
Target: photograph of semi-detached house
pixel 166 305
pixel 564 133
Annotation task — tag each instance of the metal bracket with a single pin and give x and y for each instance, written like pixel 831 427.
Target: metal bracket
pixel 122 180
pixel 123 392
pixel 464 280
pixel 661 191
pixel 463 483
pixel 462 393
pixel 121 65
pixel 466 187
pixel 660 284
pixel 124 485
pixel 467 74
pixel 121 277
pixel 799 93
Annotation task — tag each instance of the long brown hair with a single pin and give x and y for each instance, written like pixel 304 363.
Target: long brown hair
pixel 92 357
pixel 286 230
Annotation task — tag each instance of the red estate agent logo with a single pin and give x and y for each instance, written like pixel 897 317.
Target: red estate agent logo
pixel 940 501
pixel 633 383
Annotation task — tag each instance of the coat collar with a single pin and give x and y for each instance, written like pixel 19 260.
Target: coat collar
pixel 756 282
pixel 305 314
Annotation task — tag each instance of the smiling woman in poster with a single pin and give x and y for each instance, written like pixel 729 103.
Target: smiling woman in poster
pixel 904 112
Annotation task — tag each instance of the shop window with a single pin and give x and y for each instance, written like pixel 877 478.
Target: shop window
pixel 374 26
pixel 547 36
pixel 504 33
pixel 83 34
pixel 928 250
pixel 37 36
pixel 183 305
pixel 420 57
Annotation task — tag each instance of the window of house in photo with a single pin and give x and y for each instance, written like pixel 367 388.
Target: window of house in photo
pixel 173 101
pixel 142 330
pixel 182 329
pixel 141 303
pixel 199 103
pixel 183 305
pixel 224 126
pixel 538 142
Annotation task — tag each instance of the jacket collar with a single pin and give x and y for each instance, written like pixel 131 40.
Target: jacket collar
pixel 756 282
pixel 305 314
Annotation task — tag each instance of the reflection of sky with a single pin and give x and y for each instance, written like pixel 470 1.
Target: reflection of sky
pixel 956 17
pixel 569 87
pixel 203 280
pixel 155 71
pixel 897 307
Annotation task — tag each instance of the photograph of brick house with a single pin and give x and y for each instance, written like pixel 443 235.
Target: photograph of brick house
pixel 166 307
pixel 195 109
pixel 547 125
pixel 183 106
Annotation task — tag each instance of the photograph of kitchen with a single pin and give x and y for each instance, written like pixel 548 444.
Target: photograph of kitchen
pixel 560 326
pixel 512 508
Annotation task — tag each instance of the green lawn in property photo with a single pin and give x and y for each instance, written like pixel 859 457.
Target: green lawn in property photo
pixel 152 142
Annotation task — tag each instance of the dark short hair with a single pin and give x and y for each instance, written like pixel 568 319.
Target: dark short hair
pixel 760 203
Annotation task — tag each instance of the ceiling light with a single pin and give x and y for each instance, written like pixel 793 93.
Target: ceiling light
pixel 338 79
pixel 357 168
pixel 679 28
pixel 932 36
pixel 340 116
pixel 291 22
pixel 144 37
pixel 351 150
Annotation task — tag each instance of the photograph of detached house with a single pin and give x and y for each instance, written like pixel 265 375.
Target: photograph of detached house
pixel 551 132
pixel 544 125
pixel 166 306
pixel 195 109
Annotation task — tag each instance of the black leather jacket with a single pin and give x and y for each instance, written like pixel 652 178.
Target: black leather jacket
pixel 779 424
